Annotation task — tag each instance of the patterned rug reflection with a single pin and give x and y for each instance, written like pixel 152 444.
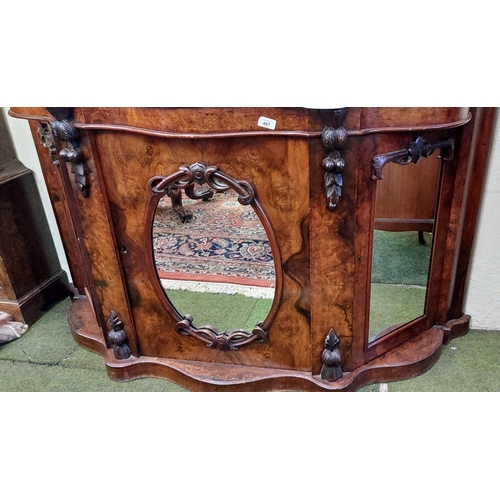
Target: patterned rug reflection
pixel 223 243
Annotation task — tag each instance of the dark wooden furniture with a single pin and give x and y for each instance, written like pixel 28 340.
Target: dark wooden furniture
pixel 30 272
pixel 312 179
pixel 407 201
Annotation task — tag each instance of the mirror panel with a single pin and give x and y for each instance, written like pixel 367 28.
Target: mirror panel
pixel 402 244
pixel 214 259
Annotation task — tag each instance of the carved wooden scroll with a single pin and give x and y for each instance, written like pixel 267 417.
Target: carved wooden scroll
pixel 220 340
pixel 331 358
pixel 118 338
pixel 334 141
pixel 189 176
pixel 412 153
pixel 193 179
pixel 63 128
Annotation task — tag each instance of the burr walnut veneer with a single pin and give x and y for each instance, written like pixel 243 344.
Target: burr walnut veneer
pixel 311 176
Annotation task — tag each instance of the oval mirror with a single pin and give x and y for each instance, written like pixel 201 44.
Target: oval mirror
pixel 213 256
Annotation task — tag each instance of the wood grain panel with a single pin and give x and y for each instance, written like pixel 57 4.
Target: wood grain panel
pixel 409 192
pixel 410 117
pixel 97 234
pixel 276 169
pixel 332 256
pixel 205 120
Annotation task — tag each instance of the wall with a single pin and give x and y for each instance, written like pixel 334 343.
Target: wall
pixel 483 297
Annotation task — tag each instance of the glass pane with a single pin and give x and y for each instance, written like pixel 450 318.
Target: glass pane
pixel 214 261
pixel 403 240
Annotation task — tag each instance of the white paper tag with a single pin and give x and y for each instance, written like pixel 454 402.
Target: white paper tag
pixel 267 123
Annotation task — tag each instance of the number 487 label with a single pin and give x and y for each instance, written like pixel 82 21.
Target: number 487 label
pixel 267 123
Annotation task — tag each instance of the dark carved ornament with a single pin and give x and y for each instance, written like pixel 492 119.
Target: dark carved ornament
pixel 199 181
pixel 47 140
pixel 331 358
pixel 118 338
pixel 188 176
pixel 63 128
pixel 412 153
pixel 334 141
pixel 221 340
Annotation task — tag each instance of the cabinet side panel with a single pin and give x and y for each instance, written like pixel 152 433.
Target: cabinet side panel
pixel 62 211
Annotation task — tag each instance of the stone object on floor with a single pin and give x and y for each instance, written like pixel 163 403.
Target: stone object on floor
pixel 10 330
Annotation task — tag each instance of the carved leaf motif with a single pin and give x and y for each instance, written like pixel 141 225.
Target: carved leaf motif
pixel 334 140
pixel 330 191
pixel 329 179
pixel 333 201
pixel 118 338
pixel 331 358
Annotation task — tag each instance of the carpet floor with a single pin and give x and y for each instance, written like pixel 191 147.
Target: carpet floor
pixel 223 242
pixel 46 359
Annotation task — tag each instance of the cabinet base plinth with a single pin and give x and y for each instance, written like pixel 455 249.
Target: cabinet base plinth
pixel 406 361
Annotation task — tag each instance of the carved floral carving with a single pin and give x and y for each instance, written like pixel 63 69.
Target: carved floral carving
pixel 117 337
pixel 334 141
pixel 331 358
pixel 63 128
pixel 199 174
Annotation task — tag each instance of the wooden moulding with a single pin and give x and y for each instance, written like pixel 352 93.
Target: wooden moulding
pixel 408 360
pixel 240 122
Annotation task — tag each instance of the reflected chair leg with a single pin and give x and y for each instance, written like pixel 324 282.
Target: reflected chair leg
pixel 421 238
pixel 176 197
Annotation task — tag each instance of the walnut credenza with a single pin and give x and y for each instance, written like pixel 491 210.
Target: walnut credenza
pixel 311 176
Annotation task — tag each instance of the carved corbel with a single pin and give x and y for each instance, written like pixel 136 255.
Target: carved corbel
pixel 412 153
pixel 63 128
pixel 47 141
pixel 334 141
pixel 331 358
pixel 118 338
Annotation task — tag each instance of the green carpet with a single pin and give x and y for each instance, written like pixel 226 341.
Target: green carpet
pixel 47 359
pixel 225 312
pixel 393 305
pixel 398 258
pixel 467 364
pixel 399 276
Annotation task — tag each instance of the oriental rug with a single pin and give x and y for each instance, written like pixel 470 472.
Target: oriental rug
pixel 224 243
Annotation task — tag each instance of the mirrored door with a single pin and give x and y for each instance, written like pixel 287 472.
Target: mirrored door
pixel 405 213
